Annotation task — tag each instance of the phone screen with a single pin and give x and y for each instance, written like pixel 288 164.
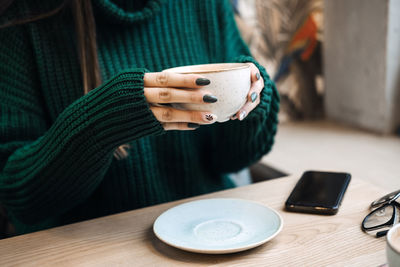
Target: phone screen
pixel 318 192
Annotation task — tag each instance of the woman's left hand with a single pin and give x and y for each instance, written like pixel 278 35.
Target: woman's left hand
pixel 253 97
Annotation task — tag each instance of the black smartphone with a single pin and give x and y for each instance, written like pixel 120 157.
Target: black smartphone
pixel 318 192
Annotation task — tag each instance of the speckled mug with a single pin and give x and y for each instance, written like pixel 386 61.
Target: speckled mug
pixel 393 246
pixel 230 83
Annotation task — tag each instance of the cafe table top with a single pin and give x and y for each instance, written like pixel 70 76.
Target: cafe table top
pixel 127 239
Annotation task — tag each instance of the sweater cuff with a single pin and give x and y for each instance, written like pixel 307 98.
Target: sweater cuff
pixel 118 113
pixel 269 97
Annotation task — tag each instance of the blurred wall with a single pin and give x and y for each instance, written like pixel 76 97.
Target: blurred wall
pixel 361 62
pixel 393 62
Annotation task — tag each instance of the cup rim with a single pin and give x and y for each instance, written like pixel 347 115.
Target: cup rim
pixel 395 228
pixel 233 66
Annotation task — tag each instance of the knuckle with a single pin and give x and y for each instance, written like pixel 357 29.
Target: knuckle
pixel 164 94
pixel 167 114
pixel 188 80
pixel 194 97
pixel 194 116
pixel 162 78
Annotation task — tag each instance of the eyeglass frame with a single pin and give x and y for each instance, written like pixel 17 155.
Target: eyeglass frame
pixel 380 203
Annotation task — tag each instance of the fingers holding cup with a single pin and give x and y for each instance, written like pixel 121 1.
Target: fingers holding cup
pixel 246 109
pixel 257 84
pixel 253 96
pixel 172 115
pixel 162 95
pixel 255 73
pixel 171 79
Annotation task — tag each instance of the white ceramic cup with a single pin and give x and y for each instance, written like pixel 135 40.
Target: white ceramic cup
pixel 230 83
pixel 393 246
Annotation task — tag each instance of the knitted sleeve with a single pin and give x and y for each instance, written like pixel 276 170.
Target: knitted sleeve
pixel 47 168
pixel 237 144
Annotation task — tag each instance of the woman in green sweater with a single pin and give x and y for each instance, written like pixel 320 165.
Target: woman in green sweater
pixel 79 136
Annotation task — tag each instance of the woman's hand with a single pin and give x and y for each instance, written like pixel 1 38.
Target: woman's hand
pixel 253 98
pixel 169 87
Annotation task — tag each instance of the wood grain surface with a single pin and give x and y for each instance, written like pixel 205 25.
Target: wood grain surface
pixel 127 239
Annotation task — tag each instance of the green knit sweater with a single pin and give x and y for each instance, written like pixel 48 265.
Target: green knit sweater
pixel 56 145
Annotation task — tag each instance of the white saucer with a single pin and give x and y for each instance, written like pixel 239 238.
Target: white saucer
pixel 218 226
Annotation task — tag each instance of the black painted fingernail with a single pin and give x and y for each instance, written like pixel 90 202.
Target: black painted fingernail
pixel 253 96
pixel 258 76
pixel 210 99
pixel 193 125
pixel 203 81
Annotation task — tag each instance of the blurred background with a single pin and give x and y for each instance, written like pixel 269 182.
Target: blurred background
pixel 336 64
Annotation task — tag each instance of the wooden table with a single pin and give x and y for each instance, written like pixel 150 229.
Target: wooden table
pixel 127 238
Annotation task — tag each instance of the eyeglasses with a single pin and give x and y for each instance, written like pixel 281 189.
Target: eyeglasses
pixel 383 216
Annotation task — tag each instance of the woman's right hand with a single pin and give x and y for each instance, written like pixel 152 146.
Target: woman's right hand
pixel 168 87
